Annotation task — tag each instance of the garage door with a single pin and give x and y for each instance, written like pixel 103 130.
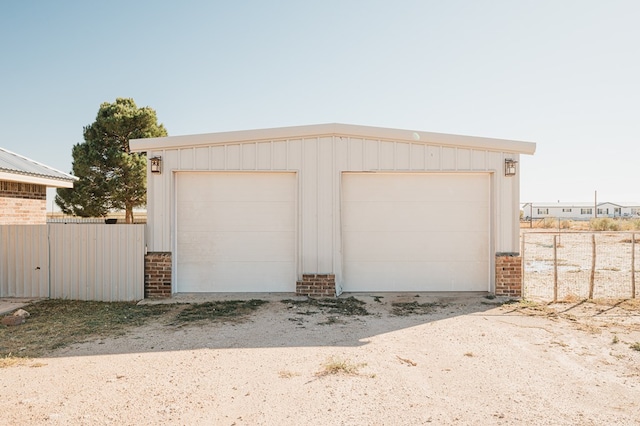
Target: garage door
pixel 236 232
pixel 415 232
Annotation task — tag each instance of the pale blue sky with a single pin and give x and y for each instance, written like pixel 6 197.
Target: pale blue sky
pixel 562 73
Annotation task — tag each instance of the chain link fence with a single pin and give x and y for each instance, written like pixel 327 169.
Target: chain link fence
pixel 580 265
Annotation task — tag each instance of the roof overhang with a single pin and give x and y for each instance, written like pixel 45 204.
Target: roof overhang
pixel 333 129
pixel 37 180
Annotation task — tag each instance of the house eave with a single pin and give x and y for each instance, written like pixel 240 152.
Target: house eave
pixel 36 180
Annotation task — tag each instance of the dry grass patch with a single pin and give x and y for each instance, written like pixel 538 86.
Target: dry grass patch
pixel 57 323
pixel 54 324
pixel 349 306
pixel 335 366
pixel 229 310
pixel 414 308
pixel 285 374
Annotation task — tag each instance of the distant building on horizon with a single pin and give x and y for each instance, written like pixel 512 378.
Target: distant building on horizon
pixel 580 210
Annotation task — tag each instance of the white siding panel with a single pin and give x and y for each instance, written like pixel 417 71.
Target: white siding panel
pixel 356 154
pixel 402 154
pixel 448 158
pixel 418 154
pixel 371 155
pixel 233 157
pixel 464 159
pixel 294 155
pixel 218 157
pixel 387 155
pixel 202 158
pixel 478 160
pixel 24 261
pixel 280 155
pixel 433 158
pixel 186 159
pixel 324 236
pixel 248 152
pixel 263 153
pixel 309 206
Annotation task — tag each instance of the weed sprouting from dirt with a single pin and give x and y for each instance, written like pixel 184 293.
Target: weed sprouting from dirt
pixel 228 310
pixel 349 306
pixel 414 308
pixel 335 366
pixel 57 323
pixel 286 374
pixel 635 346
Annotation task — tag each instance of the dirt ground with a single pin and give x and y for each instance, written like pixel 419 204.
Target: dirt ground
pixel 411 360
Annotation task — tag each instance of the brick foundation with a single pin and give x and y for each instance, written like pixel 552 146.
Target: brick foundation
pixel 157 275
pixel 508 274
pixel 22 203
pixel 320 285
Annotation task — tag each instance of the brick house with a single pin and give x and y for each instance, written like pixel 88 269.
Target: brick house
pixel 23 189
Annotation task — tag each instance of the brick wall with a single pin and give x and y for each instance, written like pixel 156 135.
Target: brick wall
pixel 22 203
pixel 508 275
pixel 322 285
pixel 157 275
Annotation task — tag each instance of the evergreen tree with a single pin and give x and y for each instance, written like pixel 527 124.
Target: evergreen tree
pixel 111 176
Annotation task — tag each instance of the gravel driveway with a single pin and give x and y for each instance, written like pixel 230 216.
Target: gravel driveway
pixel 414 359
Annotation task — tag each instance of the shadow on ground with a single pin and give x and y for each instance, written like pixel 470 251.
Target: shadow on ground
pixel 199 321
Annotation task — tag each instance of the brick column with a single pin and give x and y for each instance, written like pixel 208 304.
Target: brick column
pixel 508 274
pixel 321 285
pixel 157 275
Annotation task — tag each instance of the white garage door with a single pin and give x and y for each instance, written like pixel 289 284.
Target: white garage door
pixel 416 232
pixel 236 232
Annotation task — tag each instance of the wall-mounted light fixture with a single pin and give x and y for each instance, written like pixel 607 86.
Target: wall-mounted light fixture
pixel 156 164
pixel 510 167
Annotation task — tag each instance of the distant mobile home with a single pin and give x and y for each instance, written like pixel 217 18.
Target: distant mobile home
pixel 580 210
pixel 330 208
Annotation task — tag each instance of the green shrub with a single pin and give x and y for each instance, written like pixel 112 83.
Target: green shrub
pixel 604 224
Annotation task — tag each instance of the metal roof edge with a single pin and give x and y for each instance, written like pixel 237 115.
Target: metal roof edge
pixel 332 129
pixel 64 177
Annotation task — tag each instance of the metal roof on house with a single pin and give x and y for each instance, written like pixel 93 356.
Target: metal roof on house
pixel 335 129
pixel 17 168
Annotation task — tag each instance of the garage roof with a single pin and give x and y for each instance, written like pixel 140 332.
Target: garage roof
pixel 333 129
pixel 17 168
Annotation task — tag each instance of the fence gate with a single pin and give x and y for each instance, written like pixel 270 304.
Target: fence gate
pixel 580 265
pixel 72 261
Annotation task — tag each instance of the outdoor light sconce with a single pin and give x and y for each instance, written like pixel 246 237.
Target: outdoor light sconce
pixel 156 164
pixel 510 167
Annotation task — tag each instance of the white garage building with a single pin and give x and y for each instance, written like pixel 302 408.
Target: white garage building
pixel 330 208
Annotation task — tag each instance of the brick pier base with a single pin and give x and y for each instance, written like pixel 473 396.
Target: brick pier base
pixel 508 274
pixel 319 285
pixel 157 275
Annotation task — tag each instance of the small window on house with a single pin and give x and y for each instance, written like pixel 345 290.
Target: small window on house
pixel 543 211
pixel 603 211
pixel 586 211
pixel 566 210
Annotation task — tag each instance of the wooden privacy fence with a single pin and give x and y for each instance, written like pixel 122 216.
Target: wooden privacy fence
pixel 584 265
pixel 73 261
